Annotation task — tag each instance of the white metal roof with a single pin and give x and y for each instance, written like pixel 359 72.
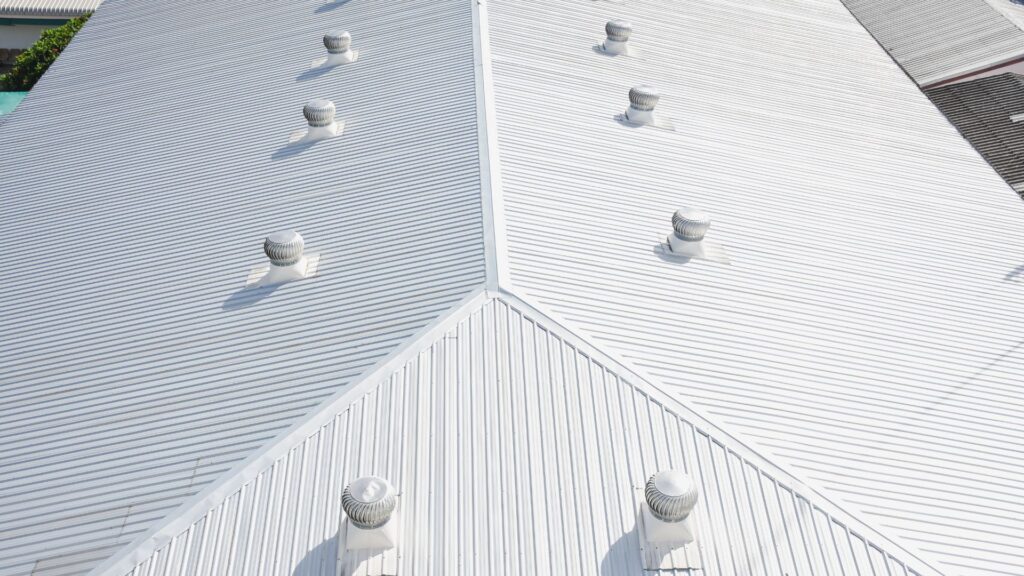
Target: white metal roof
pixel 514 452
pixel 936 40
pixel 47 8
pixel 867 331
pixel 144 171
pixel 864 334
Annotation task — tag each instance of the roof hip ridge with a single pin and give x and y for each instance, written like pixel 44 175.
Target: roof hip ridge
pixel 926 565
pixel 163 531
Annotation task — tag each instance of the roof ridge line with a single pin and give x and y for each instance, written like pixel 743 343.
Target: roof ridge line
pixel 163 531
pixel 834 506
pixel 491 205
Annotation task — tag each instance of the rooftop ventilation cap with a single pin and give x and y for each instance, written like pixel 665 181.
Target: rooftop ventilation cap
pixel 690 224
pixel 319 112
pixel 369 502
pixel 618 30
pixel 319 115
pixel 337 41
pixel 642 100
pixel 288 260
pixel 284 248
pixel 671 495
pixel 687 240
pixel 339 50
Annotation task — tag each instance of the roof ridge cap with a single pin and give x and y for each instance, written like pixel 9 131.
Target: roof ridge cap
pixel 492 207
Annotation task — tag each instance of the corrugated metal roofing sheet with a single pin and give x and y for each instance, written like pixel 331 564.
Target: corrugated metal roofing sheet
pixel 868 329
pixel 142 174
pixel 515 452
pixel 857 335
pixel 935 40
pixel 1012 9
pixel 982 110
pixel 48 8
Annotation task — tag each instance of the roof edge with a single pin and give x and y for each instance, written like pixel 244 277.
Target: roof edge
pixel 939 80
pixel 29 14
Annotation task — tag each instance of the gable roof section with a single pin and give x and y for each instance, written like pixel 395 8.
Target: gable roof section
pixel 936 40
pixel 981 109
pixel 143 172
pixel 867 331
pixel 515 452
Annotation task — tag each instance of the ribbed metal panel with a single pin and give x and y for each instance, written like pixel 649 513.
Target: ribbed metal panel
pixel 514 453
pixel 982 110
pixel 142 174
pixel 47 8
pixel 868 329
pixel 936 40
pixel 1012 9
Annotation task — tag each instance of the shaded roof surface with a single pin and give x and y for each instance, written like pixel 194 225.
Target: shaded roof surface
pixel 867 332
pixel 935 40
pixel 853 338
pixel 136 368
pixel 514 452
pixel 981 110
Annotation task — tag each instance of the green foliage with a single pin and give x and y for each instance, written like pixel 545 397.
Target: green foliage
pixel 31 63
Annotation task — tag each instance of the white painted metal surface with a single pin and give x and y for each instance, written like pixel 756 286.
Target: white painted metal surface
pixel 936 40
pixel 136 367
pixel 862 334
pixel 868 330
pixel 47 8
pixel 515 453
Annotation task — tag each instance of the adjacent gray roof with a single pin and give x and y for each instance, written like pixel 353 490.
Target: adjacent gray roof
pixel 47 8
pixel 936 40
pixel 144 171
pixel 857 338
pixel 982 110
pixel 514 452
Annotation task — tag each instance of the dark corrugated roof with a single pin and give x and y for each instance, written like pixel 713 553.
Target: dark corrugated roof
pixel 981 110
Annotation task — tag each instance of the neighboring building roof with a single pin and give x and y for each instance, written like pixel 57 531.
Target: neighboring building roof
pixel 47 8
pixel 936 40
pixel 1012 9
pixel 136 368
pixel 982 110
pixel 514 452
pixel 857 336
